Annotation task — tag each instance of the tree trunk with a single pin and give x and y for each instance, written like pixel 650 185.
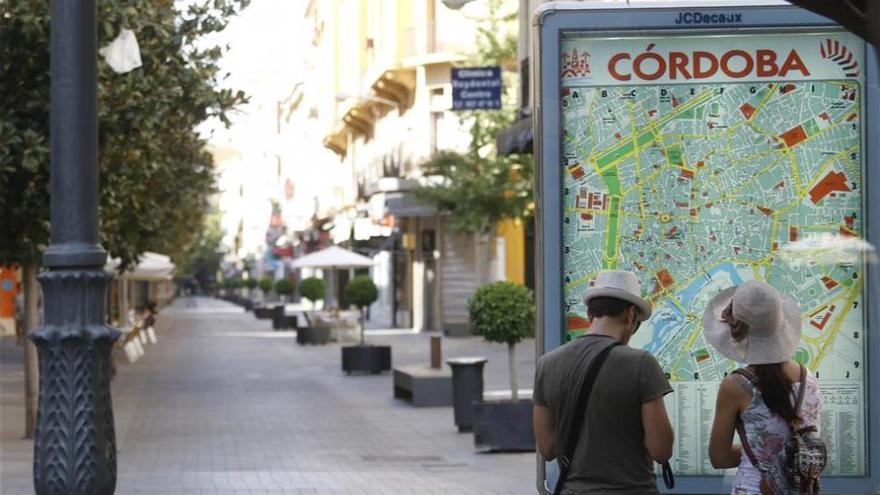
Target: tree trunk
pixel 31 368
pixel 363 330
pixel 306 313
pixel 511 359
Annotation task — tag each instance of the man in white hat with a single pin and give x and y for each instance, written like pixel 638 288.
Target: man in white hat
pixel 625 426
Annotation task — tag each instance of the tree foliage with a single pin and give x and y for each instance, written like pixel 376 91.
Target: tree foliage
pixel 479 187
pixel 312 288
pixel 503 312
pixel 201 258
pixel 265 284
pixel 156 178
pixel 284 287
pixel 361 291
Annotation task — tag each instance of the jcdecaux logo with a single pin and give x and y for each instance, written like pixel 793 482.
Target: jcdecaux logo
pixel 708 18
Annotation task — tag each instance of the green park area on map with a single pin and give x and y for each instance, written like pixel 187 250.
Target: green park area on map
pixel 700 187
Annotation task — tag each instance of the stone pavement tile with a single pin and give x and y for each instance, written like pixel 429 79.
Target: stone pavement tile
pixel 223 405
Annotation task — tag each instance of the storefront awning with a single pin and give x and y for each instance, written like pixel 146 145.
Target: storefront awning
pixel 517 138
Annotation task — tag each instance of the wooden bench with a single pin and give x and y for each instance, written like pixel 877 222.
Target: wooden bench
pixel 423 386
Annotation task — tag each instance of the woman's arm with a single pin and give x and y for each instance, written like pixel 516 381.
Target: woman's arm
pixel 732 398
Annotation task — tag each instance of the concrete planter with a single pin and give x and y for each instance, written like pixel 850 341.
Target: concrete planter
pixel 263 312
pixel 423 386
pixel 313 335
pixel 366 359
pixel 281 321
pixel 504 425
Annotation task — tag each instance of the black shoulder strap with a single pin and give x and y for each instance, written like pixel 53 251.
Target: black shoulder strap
pixel 577 420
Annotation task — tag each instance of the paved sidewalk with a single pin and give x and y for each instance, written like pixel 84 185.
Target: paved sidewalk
pixel 224 405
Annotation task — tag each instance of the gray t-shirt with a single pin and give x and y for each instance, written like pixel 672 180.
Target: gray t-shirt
pixel 610 456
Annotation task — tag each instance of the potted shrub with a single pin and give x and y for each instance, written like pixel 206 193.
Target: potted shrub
pixel 313 289
pixel 361 291
pixel 264 311
pixel 504 312
pixel 251 284
pixel 283 287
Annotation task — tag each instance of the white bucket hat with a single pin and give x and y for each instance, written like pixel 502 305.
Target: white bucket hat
pixel 619 284
pixel 773 319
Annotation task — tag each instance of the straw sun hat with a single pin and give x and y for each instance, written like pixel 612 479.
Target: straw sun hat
pixel 771 324
pixel 619 284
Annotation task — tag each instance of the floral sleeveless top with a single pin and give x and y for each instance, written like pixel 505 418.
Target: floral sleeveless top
pixel 768 433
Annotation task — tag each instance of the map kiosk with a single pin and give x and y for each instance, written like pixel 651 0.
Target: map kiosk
pixel 701 145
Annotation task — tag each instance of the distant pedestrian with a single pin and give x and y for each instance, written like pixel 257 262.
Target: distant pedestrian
pixel 773 403
pixel 624 425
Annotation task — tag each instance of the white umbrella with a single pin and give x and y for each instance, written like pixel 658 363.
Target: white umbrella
pixel 332 257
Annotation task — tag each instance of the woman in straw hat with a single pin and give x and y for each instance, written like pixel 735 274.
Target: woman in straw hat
pixel 756 325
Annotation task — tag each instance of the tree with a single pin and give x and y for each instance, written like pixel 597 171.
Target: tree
pixel 156 176
pixel 200 259
pixel 284 287
pixel 504 312
pixel 313 289
pixel 480 188
pixel 362 292
pixel 265 284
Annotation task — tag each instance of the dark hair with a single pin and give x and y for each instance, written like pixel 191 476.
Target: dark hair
pixel 776 390
pixel 607 306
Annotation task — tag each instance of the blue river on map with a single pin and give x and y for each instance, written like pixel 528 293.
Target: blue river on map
pixel 669 318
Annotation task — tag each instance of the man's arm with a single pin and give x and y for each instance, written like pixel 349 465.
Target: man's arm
pixel 658 430
pixel 545 431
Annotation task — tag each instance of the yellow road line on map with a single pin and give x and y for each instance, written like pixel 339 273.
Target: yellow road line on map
pixel 652 126
pixel 698 329
pixel 767 97
pixel 585 278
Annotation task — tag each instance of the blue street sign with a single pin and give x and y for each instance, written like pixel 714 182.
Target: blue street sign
pixel 476 88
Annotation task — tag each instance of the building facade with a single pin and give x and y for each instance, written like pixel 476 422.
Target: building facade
pixel 377 88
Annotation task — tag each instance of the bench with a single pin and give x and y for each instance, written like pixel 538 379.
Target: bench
pixel 423 386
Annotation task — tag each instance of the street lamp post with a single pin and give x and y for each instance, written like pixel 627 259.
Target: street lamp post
pixel 74 445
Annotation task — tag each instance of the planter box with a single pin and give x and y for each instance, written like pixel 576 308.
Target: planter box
pixel 367 359
pixel 423 386
pixel 280 321
pixel 504 425
pixel 263 312
pixel 313 335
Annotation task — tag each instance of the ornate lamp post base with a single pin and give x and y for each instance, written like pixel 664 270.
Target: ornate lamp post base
pixel 74 446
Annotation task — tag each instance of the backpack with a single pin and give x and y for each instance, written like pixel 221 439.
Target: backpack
pixel 796 470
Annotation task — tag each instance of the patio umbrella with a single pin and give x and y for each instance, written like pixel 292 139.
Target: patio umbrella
pixel 333 258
